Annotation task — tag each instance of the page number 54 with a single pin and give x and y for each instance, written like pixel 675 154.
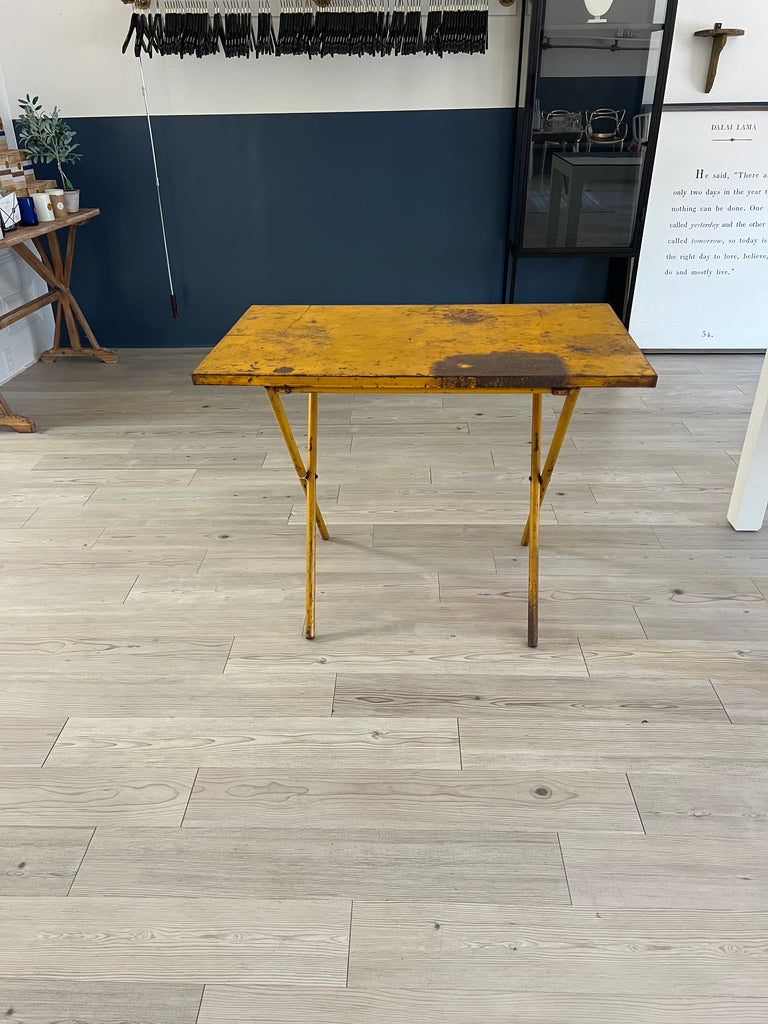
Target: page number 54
pixel 707 334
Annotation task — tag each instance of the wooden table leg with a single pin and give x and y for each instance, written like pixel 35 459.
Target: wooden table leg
pixel 309 622
pixel 57 330
pixel 57 272
pixel 293 450
pixel 105 355
pixel 58 268
pixel 554 451
pixel 533 523
pixel 38 243
pixel 21 424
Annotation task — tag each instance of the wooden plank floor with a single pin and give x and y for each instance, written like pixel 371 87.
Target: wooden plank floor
pixel 205 818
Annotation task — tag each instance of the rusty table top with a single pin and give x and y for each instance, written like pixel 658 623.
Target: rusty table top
pixel 494 348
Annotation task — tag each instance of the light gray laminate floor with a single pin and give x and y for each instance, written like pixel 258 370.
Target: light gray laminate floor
pixel 206 818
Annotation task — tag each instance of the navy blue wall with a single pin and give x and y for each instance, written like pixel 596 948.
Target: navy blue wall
pixel 563 279
pixel 329 208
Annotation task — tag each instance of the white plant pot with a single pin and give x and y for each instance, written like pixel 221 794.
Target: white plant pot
pixel 72 200
pixel 597 8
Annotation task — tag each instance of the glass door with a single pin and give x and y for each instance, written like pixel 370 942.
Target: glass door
pixel 594 68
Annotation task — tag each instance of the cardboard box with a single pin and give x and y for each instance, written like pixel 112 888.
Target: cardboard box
pixel 34 187
pixel 10 157
pixel 22 186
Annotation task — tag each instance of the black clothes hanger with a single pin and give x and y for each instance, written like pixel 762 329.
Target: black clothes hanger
pixel 140 27
pixel 297 29
pixel 433 33
pixel 265 41
pixel 413 39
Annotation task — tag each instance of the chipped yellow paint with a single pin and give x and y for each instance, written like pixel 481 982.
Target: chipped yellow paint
pixel 499 348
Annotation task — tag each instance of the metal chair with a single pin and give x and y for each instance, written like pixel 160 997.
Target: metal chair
pixel 641 126
pixel 605 127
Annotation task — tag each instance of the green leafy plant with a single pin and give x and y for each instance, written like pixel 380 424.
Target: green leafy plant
pixel 46 138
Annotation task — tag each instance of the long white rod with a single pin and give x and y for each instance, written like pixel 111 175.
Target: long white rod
pixel 157 186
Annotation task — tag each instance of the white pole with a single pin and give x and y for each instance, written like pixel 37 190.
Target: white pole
pixel 174 307
pixel 750 491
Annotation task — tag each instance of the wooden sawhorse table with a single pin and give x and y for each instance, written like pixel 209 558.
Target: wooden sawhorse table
pixel 56 270
pixel 487 349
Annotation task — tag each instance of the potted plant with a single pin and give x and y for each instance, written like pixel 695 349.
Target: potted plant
pixel 48 139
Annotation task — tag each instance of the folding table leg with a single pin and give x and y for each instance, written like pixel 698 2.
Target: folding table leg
pixel 554 451
pixel 309 622
pixel 293 450
pixel 533 524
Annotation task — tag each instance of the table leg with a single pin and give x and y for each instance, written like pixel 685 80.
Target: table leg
pixel 105 355
pixel 56 271
pixel 69 316
pixel 533 523
pixel 293 450
pixel 38 243
pixel 553 217
pixel 21 424
pixel 309 622
pixel 554 451
pixel 57 328
pixel 574 206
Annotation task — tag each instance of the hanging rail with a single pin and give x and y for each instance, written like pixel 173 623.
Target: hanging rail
pixel 314 28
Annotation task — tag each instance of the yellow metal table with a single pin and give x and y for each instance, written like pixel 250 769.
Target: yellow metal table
pixel 487 349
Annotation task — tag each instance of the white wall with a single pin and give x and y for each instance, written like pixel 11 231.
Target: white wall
pixel 76 63
pixel 22 342
pixel 741 75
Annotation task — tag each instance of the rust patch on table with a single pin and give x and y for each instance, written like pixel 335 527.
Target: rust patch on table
pixel 460 315
pixel 509 369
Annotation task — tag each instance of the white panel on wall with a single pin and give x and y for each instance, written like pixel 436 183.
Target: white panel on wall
pixel 704 262
pixel 76 63
pixel 741 75
pixel 21 343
